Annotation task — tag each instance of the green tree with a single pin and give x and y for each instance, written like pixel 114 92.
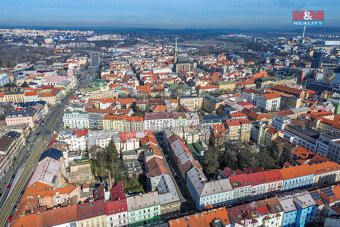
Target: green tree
pixel 24 84
pixel 211 162
pixel 112 152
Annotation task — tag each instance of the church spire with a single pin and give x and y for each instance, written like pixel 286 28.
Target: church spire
pixel 176 49
pixel 176 52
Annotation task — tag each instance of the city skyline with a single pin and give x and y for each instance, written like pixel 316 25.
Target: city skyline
pixel 170 15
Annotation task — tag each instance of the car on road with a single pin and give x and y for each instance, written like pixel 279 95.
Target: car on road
pixel 8 187
pixel 9 219
pixel 38 133
pixel 13 176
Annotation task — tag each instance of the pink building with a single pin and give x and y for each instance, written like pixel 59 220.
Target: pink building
pixel 27 116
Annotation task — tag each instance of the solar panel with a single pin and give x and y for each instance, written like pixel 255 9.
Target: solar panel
pixel 328 192
pixel 315 195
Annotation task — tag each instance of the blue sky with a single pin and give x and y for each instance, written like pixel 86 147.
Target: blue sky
pixel 162 13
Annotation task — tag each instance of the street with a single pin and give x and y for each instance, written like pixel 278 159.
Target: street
pixel 37 141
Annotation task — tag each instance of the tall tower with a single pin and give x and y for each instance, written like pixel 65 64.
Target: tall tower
pixel 176 52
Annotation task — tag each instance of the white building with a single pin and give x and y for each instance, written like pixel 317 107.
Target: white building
pixel 76 139
pixel 100 138
pixel 280 122
pixel 329 146
pixel 269 102
pixel 158 121
pixel 205 192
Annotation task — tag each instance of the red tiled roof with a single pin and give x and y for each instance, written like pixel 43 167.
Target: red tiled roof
pixel 296 171
pixel 262 210
pixel 271 130
pixel 117 191
pixel 160 108
pixel 114 207
pixel 80 132
pixel 156 167
pixel 272 175
pixel 271 95
pixel 64 214
pixel 90 209
pixel 287 89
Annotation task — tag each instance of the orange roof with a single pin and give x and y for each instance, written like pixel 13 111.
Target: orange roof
pixel 2 94
pixel 287 89
pixel 335 123
pixel 63 190
pixel 120 118
pixel 271 130
pixel 113 117
pixel 203 219
pixel 135 118
pixel 173 100
pixel 302 152
pixel 208 87
pixel 324 167
pixel 64 214
pixel 243 83
pixel 34 93
pixel 320 114
pixel 31 220
pixel 261 74
pixel 121 101
pixel 336 190
pixel 160 108
pixel 114 85
pixel 258 116
pixel 219 129
pixel 285 112
pixel 237 115
pixel 296 171
pixel 109 110
pixel 271 95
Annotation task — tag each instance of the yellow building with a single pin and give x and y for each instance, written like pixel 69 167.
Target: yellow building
pixel 329 125
pixel 91 214
pixel 123 123
pixel 210 103
pixel 238 129
pixel 14 97
pixel 193 103
pixel 228 86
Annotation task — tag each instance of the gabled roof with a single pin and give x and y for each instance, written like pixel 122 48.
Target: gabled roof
pixel 90 209
pixel 114 207
pixel 214 217
pixel 117 191
pixel 271 96
pixel 296 171
pixel 52 153
pixel 272 175
pixel 63 214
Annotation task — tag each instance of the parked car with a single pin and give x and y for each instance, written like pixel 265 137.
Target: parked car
pixel 8 187
pixel 9 219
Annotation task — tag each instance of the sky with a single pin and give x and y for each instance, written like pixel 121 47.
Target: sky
pixel 167 14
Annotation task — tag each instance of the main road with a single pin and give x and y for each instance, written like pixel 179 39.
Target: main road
pixel 29 159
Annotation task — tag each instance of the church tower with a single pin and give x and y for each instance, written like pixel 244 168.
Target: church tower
pixel 176 52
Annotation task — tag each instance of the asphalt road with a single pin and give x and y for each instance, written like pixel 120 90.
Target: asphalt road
pixel 37 143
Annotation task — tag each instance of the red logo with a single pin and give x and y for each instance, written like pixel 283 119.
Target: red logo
pixel 308 15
